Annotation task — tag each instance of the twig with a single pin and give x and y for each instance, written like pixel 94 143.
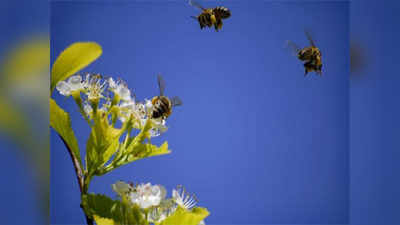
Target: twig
pixel 79 176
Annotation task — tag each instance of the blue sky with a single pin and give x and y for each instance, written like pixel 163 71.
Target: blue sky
pixel 255 140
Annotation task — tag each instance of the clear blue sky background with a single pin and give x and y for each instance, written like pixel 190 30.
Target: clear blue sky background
pixel 255 140
pixel 373 115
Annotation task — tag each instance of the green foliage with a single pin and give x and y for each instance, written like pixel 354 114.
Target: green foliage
pixel 186 217
pixel 107 211
pixel 135 148
pixel 102 143
pixel 74 58
pixel 61 123
pixel 105 151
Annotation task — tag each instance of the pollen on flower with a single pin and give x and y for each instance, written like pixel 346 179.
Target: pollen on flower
pixel 94 86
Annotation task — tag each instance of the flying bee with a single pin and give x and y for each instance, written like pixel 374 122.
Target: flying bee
pixel 211 16
pixel 162 105
pixel 311 56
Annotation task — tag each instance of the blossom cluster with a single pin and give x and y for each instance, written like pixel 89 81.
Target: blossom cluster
pixel 111 97
pixel 152 199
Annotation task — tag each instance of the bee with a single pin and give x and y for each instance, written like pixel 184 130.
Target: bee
pixel 311 56
pixel 162 105
pixel 211 16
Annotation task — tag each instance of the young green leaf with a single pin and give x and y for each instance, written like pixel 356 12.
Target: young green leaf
pixel 185 217
pixel 61 123
pixel 139 151
pixel 134 149
pixel 107 211
pixel 104 221
pixel 102 144
pixel 74 58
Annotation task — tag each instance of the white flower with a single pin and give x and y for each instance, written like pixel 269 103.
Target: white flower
pixel 87 108
pixel 73 84
pixel 126 109
pixel 147 195
pixel 120 88
pixel 94 86
pixel 64 88
pixel 158 127
pixel 183 198
pixel 156 215
pixel 121 188
pixel 202 223
pixel 141 110
pixel 149 106
pixel 161 212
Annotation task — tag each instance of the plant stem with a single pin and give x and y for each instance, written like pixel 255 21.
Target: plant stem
pixel 80 178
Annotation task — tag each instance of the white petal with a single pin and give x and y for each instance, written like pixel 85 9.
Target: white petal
pixel 64 88
pixel 75 82
pixel 111 83
pixel 125 93
pixel 121 188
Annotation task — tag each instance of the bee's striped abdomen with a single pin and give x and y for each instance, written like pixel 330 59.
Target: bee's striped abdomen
pixel 221 12
pixel 204 20
pixel 162 107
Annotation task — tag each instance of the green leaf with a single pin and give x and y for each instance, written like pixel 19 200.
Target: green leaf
pixel 107 211
pixel 141 151
pixel 104 221
pixel 134 149
pixel 137 149
pixel 102 144
pixel 74 58
pixel 61 123
pixel 185 217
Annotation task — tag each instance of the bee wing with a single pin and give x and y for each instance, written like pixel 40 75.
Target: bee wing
pixel 309 38
pixel 161 84
pixel 176 101
pixel 195 4
pixel 293 47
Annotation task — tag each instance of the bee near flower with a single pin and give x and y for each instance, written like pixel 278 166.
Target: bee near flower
pixel 161 106
pixel 113 97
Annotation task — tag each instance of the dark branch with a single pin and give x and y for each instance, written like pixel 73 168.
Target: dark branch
pixel 79 176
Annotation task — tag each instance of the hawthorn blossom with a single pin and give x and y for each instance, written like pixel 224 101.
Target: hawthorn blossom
pixel 147 195
pixel 183 198
pixel 73 84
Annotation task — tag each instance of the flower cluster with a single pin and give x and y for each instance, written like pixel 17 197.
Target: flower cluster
pixel 110 97
pixel 152 199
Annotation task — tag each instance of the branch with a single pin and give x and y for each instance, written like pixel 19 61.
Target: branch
pixel 79 176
